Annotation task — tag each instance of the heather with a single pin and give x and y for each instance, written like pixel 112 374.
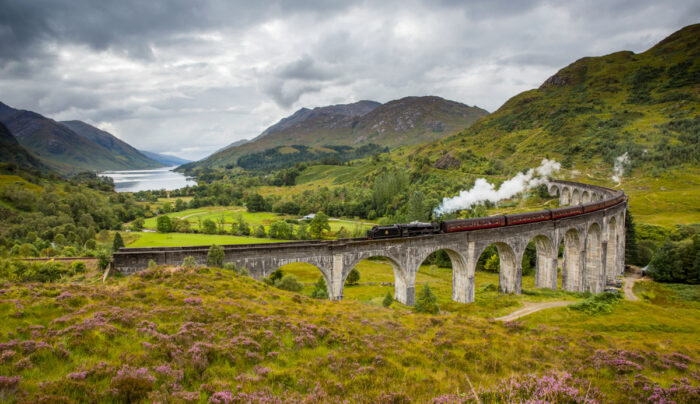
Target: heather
pixel 211 335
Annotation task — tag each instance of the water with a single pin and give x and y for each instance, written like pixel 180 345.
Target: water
pixel 144 180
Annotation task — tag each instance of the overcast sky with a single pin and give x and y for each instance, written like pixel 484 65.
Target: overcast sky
pixel 188 77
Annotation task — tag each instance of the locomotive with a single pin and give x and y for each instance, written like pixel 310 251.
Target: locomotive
pixel 450 226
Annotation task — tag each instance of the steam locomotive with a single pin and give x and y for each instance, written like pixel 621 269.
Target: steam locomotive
pixel 450 226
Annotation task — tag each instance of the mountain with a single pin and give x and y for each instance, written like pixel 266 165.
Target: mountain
pixel 12 152
pixel 125 152
pixel 164 159
pixel 592 112
pixel 64 150
pixel 401 122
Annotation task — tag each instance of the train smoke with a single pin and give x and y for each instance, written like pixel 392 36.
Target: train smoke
pixel 619 167
pixel 483 190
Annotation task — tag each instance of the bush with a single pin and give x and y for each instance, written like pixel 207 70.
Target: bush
pixel 353 278
pixel 152 264
pixel 163 224
pixel 388 300
pixel 260 232
pixel 426 302
pixel 216 255
pixel 103 259
pixel 189 262
pixel 596 304
pixel 235 268
pixel 78 267
pixel 289 282
pixel 133 384
pixel 276 276
pixel 320 290
pixel 676 262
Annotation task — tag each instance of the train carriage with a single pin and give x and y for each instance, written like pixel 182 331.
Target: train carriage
pixel 450 226
pixel 528 217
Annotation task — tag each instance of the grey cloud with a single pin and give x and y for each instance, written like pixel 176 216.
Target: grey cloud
pixel 162 73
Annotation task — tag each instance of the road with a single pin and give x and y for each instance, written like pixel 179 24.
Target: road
pixel 629 281
pixel 531 308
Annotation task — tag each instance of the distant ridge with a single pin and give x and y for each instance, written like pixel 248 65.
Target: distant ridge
pixel 165 159
pixel 401 122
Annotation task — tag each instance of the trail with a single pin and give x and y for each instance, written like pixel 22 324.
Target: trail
pixel 531 308
pixel 629 285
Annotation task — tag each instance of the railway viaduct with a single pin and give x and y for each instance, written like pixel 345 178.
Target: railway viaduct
pixel 593 252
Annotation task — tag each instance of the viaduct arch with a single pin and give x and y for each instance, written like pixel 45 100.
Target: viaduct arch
pixel 593 251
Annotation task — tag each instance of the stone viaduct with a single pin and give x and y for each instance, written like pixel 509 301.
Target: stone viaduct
pixel 593 252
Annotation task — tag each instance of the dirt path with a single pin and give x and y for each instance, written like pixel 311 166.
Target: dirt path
pixel 629 281
pixel 531 308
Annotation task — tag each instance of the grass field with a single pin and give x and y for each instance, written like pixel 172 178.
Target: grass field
pixel 488 302
pixel 206 335
pixel 187 239
pixel 231 214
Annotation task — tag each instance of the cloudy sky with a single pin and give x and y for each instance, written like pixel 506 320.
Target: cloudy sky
pixel 188 77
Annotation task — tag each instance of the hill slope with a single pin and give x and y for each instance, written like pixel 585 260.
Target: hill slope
pixel 164 159
pixel 61 148
pixel 406 121
pixel 598 108
pixel 121 149
pixel 12 152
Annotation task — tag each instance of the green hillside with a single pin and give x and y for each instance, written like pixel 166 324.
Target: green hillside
pixel 122 151
pixel 12 152
pixel 597 109
pixel 64 150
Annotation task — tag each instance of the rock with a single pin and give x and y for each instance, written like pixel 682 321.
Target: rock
pixel 448 161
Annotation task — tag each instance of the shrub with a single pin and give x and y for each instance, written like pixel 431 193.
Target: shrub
pixel 276 275
pixel 353 277
pixel 215 257
pixel 426 302
pixel 78 267
pixel 260 232
pixel 388 300
pixel 320 290
pixel 235 268
pixel 152 264
pixel 189 262
pixel 103 259
pixel 289 282
pixel 132 384
pixel 118 242
pixel 596 304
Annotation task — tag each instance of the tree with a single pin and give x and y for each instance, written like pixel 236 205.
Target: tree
pixel 215 256
pixel 320 290
pixel 117 243
pixel 243 228
pixel 426 302
pixel 289 282
pixel 318 224
pixel 280 230
pixel 255 202
pixel 303 232
pixel 353 277
pixel 493 264
pixel 163 224
pixel 388 299
pixel 179 205
pixel 167 207
pixel 631 250
pixel 666 264
pixel 276 275
pixel 208 226
pixel 416 210
pixel 137 225
pixel 260 232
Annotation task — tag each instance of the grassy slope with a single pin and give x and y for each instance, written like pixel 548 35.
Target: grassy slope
pixel 188 239
pixel 241 336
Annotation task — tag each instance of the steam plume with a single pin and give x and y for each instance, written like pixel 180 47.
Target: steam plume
pixel 484 191
pixel 619 168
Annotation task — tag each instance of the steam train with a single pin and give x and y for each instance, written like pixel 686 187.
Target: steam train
pixel 450 226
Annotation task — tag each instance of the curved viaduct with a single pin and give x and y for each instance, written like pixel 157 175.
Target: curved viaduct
pixel 593 244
